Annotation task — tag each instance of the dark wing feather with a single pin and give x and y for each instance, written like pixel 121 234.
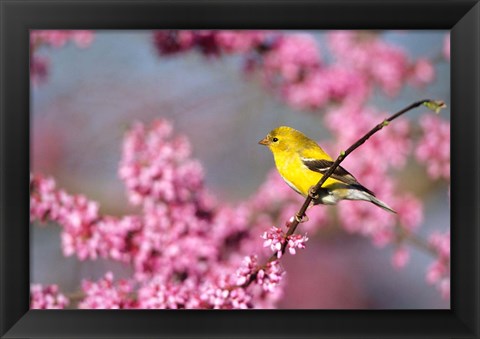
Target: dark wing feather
pixel 340 173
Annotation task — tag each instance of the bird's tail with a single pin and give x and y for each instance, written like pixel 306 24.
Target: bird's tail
pixel 361 194
pixel 381 204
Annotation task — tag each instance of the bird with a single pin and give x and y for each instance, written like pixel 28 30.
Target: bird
pixel 301 163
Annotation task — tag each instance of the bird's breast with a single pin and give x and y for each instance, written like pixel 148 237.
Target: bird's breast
pixel 296 174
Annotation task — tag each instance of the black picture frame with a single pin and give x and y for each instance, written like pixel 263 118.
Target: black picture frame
pixel 17 17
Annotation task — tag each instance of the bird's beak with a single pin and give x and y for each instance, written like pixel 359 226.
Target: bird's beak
pixel 264 141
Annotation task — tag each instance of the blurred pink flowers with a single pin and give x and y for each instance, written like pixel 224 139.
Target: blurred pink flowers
pixel 184 243
pixel 434 148
pixel 188 250
pixel 290 65
pixel 57 39
pixel 446 47
pixel 400 257
pixel 106 294
pixel 275 238
pixel 46 297
pixel 438 273
pixel 39 65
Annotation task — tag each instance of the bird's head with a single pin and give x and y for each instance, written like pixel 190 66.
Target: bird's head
pixel 282 138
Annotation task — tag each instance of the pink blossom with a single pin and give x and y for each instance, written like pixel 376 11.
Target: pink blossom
pixel 323 86
pixel 295 241
pixel 384 64
pixel 435 272
pixel 170 42
pixel 290 64
pixel 352 47
pixel 38 69
pixel 249 266
pixel 155 165
pixel 410 212
pixel 208 42
pixel 178 213
pixel 184 248
pixel 82 38
pixel 441 243
pixel 400 257
pixel 47 297
pixel 438 273
pixel 119 237
pixel 422 72
pixel 444 288
pixel 222 296
pixel 76 214
pixel 446 47
pixel 159 294
pixel 39 65
pixel 43 198
pixel 84 231
pixel 365 219
pixel 56 38
pixel 292 58
pixel 391 146
pixel 270 277
pixel 240 41
pixel 434 147
pixel 389 68
pixel 274 239
pixel 107 294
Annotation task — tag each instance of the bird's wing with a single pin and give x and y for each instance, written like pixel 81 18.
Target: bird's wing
pixel 340 173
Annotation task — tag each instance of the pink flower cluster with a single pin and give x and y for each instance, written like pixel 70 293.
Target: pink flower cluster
pixel 381 63
pixel 446 47
pixel 169 176
pixel 58 38
pixel 434 147
pixel 401 257
pixel 291 66
pixel 438 273
pixel 84 232
pixel 210 43
pixel 268 276
pixel 275 238
pixel 47 297
pixel 54 38
pixel 185 247
pixel 106 294
pixel 290 59
pixel 160 294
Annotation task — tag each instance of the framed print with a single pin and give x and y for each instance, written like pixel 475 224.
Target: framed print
pixel 214 169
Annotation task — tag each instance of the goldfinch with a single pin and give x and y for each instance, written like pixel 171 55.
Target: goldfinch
pixel 302 162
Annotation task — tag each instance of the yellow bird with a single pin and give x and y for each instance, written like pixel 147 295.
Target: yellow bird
pixel 302 162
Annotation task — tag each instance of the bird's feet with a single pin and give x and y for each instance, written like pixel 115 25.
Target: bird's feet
pixel 301 219
pixel 312 194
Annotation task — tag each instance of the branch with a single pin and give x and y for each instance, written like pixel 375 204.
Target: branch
pixel 431 104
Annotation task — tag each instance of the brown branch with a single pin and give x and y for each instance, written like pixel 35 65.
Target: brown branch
pixel 431 104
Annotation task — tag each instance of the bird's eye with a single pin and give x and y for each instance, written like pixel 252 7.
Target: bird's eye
pixel 275 139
